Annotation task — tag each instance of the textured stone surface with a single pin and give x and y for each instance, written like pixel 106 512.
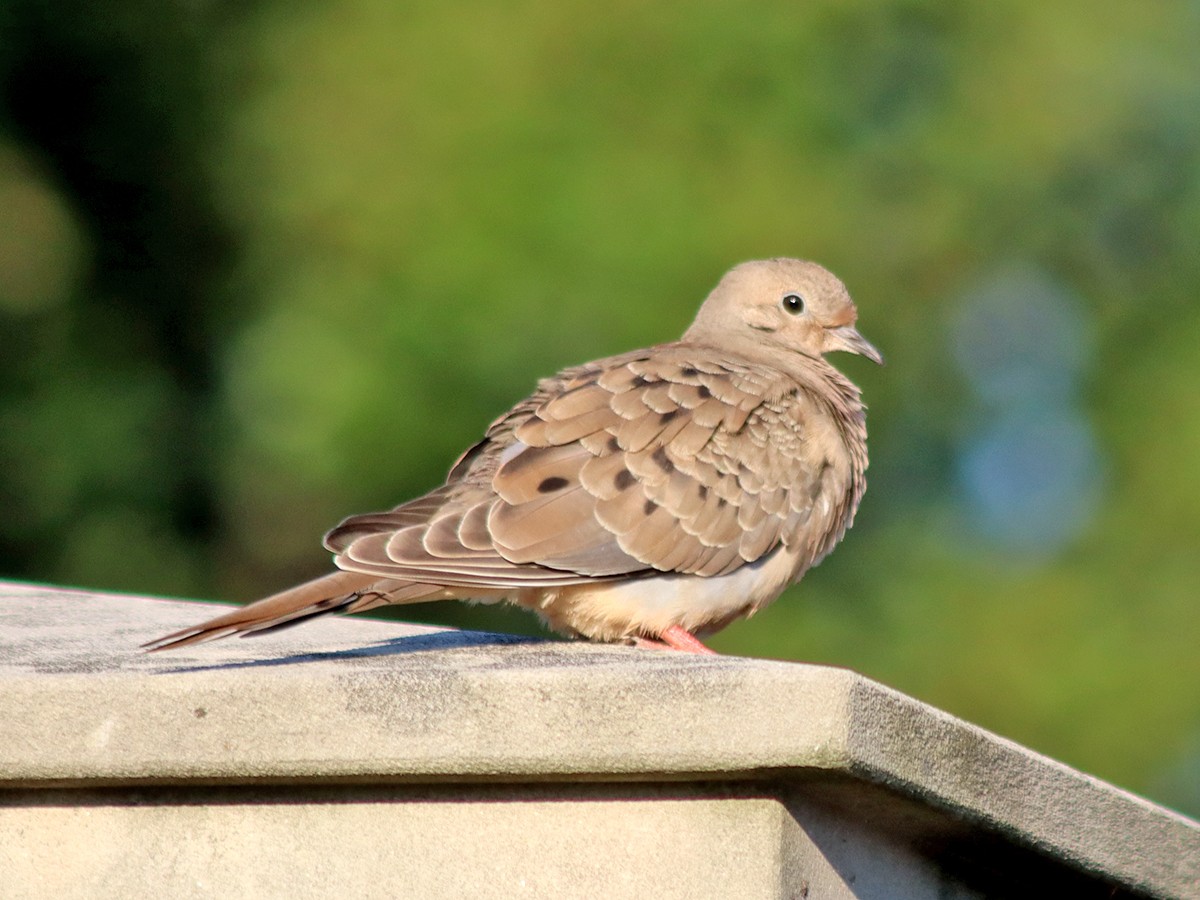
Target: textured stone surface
pixel 373 756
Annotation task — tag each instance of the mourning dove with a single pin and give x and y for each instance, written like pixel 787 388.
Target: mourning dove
pixel 644 498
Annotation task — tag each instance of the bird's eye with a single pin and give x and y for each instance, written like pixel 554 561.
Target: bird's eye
pixel 793 303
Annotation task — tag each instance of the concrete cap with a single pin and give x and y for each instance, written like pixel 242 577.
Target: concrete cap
pixel 366 701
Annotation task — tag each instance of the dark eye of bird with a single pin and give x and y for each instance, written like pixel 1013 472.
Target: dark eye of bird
pixel 794 304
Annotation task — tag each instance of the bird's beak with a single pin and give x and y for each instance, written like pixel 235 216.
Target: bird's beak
pixel 847 338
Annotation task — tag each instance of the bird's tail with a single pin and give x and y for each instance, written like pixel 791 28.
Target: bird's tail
pixel 336 592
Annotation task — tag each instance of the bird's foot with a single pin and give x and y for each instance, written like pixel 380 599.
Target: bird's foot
pixel 674 638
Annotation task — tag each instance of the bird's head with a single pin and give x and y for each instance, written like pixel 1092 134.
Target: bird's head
pixel 782 304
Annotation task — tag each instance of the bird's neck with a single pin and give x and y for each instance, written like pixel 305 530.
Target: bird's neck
pixel 844 401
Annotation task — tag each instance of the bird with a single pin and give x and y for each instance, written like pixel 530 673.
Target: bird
pixel 649 498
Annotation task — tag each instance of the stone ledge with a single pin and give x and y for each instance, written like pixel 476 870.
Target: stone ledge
pixel 345 700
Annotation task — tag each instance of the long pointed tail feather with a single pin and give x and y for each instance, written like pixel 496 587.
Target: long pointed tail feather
pixel 337 592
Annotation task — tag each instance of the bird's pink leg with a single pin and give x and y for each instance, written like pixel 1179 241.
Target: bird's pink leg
pixel 676 638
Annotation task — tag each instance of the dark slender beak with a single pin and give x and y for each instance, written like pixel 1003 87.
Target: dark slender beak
pixel 847 338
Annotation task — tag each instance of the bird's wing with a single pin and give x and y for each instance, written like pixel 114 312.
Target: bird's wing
pixel 676 459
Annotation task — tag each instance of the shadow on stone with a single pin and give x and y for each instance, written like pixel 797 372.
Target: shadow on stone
pixel 419 643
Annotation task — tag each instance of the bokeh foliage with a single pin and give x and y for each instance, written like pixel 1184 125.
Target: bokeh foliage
pixel 266 264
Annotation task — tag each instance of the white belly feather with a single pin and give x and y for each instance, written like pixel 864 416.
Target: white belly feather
pixel 647 606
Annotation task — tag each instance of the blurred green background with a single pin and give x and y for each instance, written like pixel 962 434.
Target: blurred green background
pixel 263 265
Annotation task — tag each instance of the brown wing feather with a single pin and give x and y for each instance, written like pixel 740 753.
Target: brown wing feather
pixel 666 461
pixel 687 474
